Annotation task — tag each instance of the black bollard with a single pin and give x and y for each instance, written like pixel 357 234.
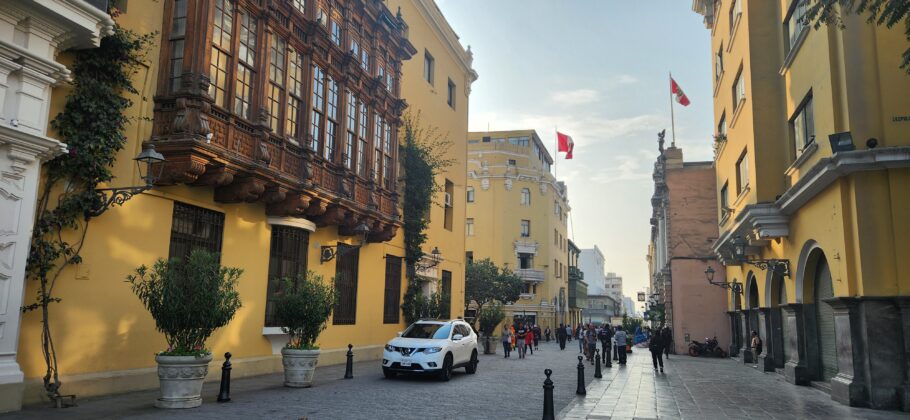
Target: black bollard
pixel 548 397
pixel 597 373
pixel 580 390
pixel 224 393
pixel 349 367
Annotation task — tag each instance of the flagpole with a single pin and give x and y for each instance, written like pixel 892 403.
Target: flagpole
pixel 672 117
pixel 556 151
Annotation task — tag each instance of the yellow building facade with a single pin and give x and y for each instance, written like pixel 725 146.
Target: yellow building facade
pixel 273 196
pixel 813 164
pixel 517 214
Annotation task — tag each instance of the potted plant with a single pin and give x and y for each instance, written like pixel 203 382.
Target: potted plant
pixel 302 309
pixel 489 318
pixel 189 299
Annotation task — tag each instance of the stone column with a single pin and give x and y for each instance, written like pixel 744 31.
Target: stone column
pixel 733 349
pixel 848 386
pixel 766 358
pixel 746 349
pixel 904 392
pixel 795 368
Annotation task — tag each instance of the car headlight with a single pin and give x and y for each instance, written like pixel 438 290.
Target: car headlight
pixel 431 350
pixel 389 347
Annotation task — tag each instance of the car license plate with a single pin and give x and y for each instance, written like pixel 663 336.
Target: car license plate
pixel 405 363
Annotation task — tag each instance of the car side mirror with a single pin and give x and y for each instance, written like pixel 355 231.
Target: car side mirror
pixel 457 337
pixel 399 333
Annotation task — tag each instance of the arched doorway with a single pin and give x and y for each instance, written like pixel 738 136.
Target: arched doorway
pixel 824 320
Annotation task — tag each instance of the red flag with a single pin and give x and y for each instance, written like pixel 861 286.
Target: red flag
pixel 678 92
pixel 565 144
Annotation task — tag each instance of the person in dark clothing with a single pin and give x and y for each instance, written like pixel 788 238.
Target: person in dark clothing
pixel 605 337
pixel 561 336
pixel 666 337
pixel 546 333
pixel 520 333
pixel 537 334
pixel 621 344
pixel 656 345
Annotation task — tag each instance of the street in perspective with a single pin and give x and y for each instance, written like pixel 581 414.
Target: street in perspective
pixel 454 209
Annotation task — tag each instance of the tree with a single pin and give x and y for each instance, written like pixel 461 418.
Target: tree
pixel 880 12
pixel 485 283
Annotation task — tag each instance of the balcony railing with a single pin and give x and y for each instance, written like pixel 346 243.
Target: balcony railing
pixel 576 272
pixel 529 274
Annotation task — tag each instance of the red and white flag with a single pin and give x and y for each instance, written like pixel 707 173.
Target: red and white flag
pixel 565 144
pixel 678 92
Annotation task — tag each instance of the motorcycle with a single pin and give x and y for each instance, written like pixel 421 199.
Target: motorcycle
pixel 709 347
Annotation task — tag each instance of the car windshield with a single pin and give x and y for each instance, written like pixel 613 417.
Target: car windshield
pixel 435 331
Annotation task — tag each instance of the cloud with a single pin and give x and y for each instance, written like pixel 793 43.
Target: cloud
pixel 587 130
pixel 575 97
pixel 626 79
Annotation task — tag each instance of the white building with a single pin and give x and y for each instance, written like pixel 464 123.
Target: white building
pixel 591 262
pixel 32 33
pixel 613 285
pixel 628 306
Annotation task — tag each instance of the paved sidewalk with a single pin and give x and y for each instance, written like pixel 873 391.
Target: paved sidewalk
pixel 700 388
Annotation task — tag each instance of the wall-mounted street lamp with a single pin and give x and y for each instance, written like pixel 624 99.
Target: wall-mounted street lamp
pixel 434 259
pixel 841 142
pixel 781 267
pixel 329 252
pixel 107 197
pixel 736 287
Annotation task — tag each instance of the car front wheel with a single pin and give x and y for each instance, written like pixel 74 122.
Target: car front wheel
pixel 471 368
pixel 446 373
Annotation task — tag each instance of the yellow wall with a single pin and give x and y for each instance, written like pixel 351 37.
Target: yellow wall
pixel 105 339
pixel 497 213
pixel 856 86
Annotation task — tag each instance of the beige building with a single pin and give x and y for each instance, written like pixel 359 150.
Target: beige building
pixel 517 215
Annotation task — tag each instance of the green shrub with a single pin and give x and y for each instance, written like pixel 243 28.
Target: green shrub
pixel 302 309
pixel 489 317
pixel 188 298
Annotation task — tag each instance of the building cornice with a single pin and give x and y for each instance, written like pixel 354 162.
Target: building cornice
pixel 447 35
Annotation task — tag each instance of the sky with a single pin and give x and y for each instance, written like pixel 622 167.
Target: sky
pixel 598 70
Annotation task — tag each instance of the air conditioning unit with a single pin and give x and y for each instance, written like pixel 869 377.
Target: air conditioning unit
pixel 448 200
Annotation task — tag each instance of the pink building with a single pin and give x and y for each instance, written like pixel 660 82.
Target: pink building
pixel 683 227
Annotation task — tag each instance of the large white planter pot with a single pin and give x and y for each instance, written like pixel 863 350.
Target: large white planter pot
pixel 181 380
pixel 299 367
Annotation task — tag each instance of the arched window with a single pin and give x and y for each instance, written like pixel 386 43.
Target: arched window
pixel 525 197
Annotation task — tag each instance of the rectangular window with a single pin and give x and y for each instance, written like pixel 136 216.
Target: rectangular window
pixel 449 206
pixel 803 126
pixel 512 162
pixel 525 228
pixel 742 173
pixel 724 199
pixel 365 59
pixel 351 138
pixel 177 37
pixel 470 195
pixel 336 36
pixel 295 92
pixel 391 312
pixel 525 260
pixel 451 94
pixel 378 127
pixel 428 66
pixel 446 307
pixel 222 45
pixel 346 262
pixel 525 197
pixel 388 166
pixel 736 10
pixel 300 5
pixel 739 90
pixel 318 107
pixel 719 62
pixel 243 91
pixel 556 267
pixel 796 22
pixel 195 228
pixel 469 227
pixel 722 127
pixel 362 142
pixel 331 125
pixel 469 257
pixel 287 259
pixel 277 63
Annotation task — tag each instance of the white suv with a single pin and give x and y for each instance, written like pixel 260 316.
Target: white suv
pixel 432 347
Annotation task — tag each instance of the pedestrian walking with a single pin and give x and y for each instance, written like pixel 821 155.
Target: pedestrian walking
pixel 529 340
pixel 591 342
pixel 506 340
pixel 666 338
pixel 568 332
pixel 605 336
pixel 546 333
pixel 580 336
pixel 513 327
pixel 537 334
pixel 561 336
pixel 520 334
pixel 656 346
pixel 756 347
pixel 620 337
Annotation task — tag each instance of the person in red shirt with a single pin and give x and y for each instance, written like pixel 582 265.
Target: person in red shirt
pixel 529 339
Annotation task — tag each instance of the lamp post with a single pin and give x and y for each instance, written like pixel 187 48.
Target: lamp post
pixel 329 252
pixel 107 197
pixel 778 266
pixel 735 286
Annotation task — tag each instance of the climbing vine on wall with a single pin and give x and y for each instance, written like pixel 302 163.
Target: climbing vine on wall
pixel 91 124
pixel 422 152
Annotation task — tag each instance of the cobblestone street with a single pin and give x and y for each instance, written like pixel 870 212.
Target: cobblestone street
pixel 502 389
